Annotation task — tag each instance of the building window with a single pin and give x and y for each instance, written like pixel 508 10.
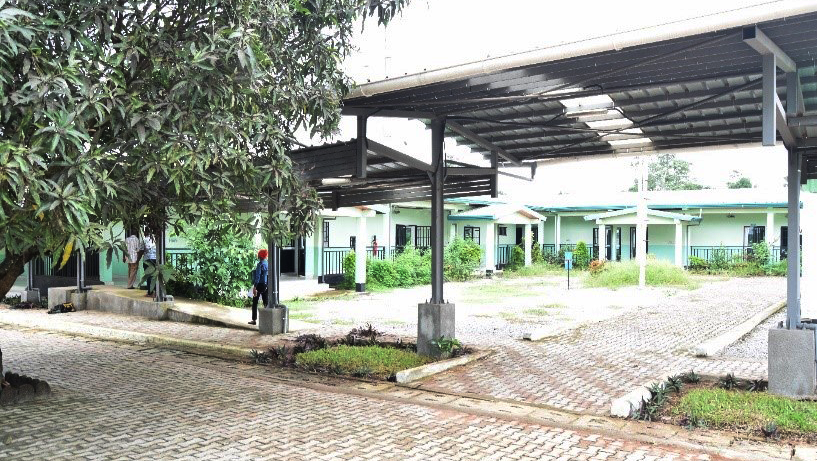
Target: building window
pixel 753 234
pixel 503 231
pixel 471 233
pixel 326 233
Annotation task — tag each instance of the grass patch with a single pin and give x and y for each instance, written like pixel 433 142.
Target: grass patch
pixel 300 315
pixel 395 323
pixel 535 270
pixel 495 292
pixel 366 361
pixel 341 322
pixel 538 311
pixel 659 273
pixel 735 409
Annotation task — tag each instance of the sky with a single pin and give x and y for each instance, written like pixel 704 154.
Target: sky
pixel 431 34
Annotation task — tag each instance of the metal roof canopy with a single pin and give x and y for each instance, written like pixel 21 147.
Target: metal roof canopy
pixel 688 92
pixel 354 173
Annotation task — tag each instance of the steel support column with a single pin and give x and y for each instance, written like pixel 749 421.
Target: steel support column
pixel 769 95
pixel 793 253
pixel 273 275
pixel 159 292
pixel 80 272
pixel 437 214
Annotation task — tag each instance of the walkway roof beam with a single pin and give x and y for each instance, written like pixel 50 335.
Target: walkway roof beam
pixel 755 38
pixel 480 141
pixel 398 156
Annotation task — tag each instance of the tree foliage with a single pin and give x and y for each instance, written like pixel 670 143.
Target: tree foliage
pixel 668 173
pixel 739 181
pixel 162 112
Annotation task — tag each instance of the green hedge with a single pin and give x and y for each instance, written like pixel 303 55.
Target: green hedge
pixel 412 267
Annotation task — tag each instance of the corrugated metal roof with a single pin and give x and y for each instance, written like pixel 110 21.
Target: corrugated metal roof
pixel 688 92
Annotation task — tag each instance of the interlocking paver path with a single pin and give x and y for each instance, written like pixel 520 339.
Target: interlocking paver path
pixel 126 402
pixel 584 369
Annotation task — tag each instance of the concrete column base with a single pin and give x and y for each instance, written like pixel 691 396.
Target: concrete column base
pixel 80 300
pixel 31 296
pixel 792 362
pixel 273 321
pixel 360 287
pixel 433 322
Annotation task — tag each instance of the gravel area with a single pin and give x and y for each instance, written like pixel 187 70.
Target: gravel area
pixel 488 312
pixel 755 345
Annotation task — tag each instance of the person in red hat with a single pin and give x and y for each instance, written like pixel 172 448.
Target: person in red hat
pixel 259 283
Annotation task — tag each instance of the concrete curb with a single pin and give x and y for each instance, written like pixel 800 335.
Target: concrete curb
pixel 132 337
pixel 712 346
pixel 629 403
pixel 424 371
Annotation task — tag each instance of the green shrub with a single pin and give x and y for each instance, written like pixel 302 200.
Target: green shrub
pixel 779 268
pixel 462 258
pixel 219 266
pixel 370 361
pixel 659 273
pixel 536 253
pixel 719 261
pixel 382 273
pixel 412 267
pixel 555 259
pixel 698 264
pixel 760 253
pixel 516 259
pixel 581 256
pixel 348 271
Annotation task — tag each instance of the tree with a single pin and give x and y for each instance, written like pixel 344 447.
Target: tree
pixel 668 173
pixel 739 181
pixel 161 113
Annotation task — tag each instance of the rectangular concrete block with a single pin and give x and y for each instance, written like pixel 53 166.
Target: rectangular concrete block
pixel 59 295
pixel 273 321
pixel 433 321
pixel 31 296
pixel 792 362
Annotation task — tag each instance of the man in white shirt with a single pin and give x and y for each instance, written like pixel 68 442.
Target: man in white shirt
pixel 147 247
pixel 131 257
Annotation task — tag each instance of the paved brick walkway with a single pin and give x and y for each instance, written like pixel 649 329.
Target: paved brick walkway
pixel 125 402
pixel 584 369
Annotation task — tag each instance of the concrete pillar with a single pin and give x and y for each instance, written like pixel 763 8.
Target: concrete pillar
pixel 317 250
pixel 793 251
pixel 540 226
pixel 602 256
pixel 452 231
pixel 679 243
pixel 527 243
pixel 296 242
pixel 770 229
pixel 387 233
pixel 360 255
pixel 641 226
pixel 558 237
pixel 490 247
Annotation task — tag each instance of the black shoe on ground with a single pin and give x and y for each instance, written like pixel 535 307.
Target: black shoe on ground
pixel 251 322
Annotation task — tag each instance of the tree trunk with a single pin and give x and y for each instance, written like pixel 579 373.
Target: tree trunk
pixel 12 267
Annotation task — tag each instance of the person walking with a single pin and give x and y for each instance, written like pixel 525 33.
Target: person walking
pixel 259 283
pixel 148 249
pixel 131 257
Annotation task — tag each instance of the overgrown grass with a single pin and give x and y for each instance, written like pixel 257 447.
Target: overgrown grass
pixel 659 273
pixel 369 361
pixel 747 410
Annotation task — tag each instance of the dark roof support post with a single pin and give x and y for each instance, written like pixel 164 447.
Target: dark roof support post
pixel 793 252
pixel 362 151
pixel 495 177
pixel 437 213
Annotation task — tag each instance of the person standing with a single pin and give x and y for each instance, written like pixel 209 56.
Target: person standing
pixel 131 257
pixel 148 249
pixel 259 283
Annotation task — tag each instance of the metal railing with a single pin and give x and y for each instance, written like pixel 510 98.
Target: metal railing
pixel 503 254
pixel 730 253
pixel 548 248
pixel 43 266
pixel 572 247
pixel 333 256
pixel 179 258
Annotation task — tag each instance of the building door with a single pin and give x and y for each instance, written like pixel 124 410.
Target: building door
pixel 520 235
pixel 403 236
pixel 753 234
pixel 618 244
pixel 608 248
pixel 535 232
pixel 633 242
